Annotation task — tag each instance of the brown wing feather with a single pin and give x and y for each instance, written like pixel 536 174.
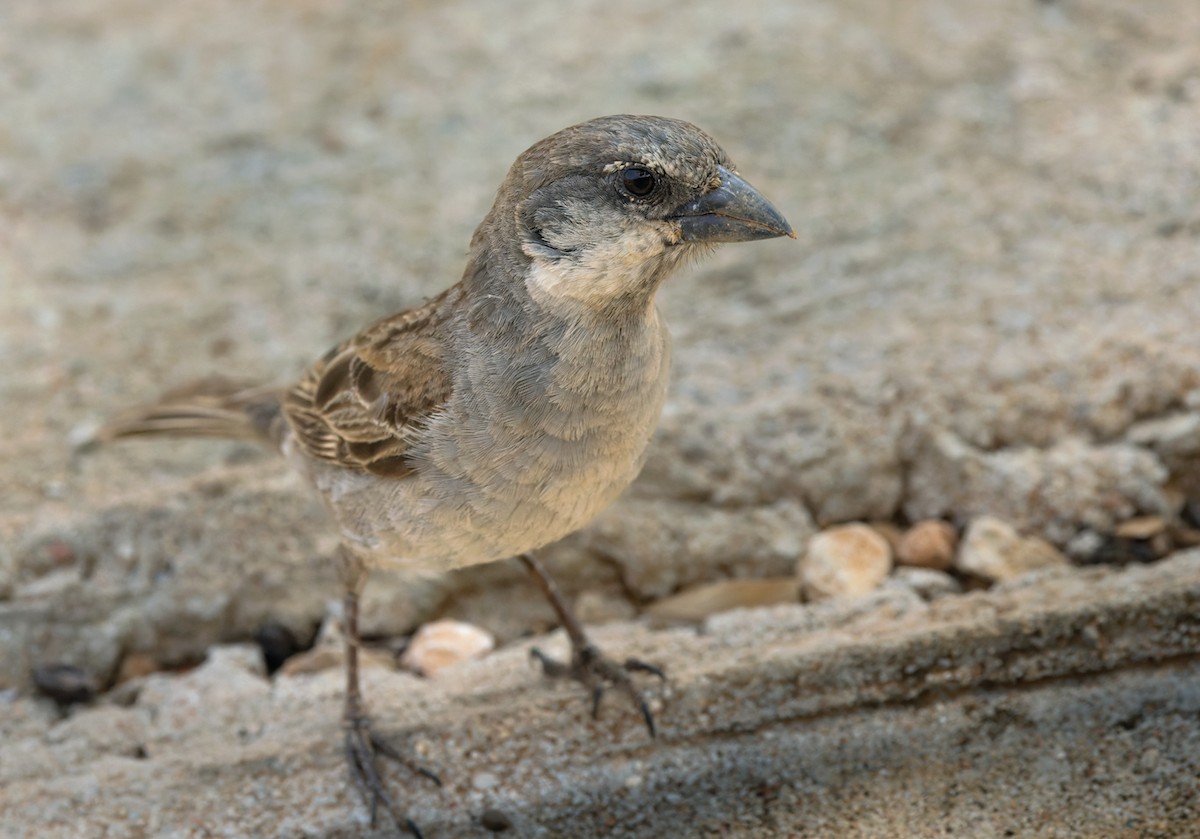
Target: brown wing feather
pixel 360 404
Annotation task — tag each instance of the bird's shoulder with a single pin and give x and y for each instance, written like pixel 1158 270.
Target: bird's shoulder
pixel 359 406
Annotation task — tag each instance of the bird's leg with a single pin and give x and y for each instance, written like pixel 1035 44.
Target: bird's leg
pixel 588 664
pixel 363 746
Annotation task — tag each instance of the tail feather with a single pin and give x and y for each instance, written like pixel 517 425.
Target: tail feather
pixel 214 407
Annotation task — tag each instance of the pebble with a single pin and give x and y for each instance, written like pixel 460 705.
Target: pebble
pixel 929 583
pixel 497 821
pixel 135 666
pixel 994 550
pixel 65 683
pixel 484 780
pixel 1142 528
pixel 443 644
pixel 1085 545
pixel 333 656
pixel 928 544
pixel 843 561
pixel 695 604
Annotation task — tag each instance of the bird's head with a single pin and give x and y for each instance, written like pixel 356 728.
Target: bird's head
pixel 601 213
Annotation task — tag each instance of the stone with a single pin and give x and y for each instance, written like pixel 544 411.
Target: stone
pixel 665 545
pixel 1051 490
pixel 443 644
pixel 928 544
pixel 695 604
pixel 323 658
pixel 929 583
pixel 65 683
pixel 844 561
pixel 749 699
pixel 329 651
pixel 1142 528
pixel 993 550
pixel 135 666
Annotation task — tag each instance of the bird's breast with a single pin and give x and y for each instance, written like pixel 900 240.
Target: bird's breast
pixel 538 438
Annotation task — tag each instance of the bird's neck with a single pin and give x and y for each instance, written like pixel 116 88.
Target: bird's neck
pixel 613 281
pixel 514 318
pixel 506 286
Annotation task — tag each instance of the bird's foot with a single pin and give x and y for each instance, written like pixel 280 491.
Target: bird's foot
pixel 597 672
pixel 364 750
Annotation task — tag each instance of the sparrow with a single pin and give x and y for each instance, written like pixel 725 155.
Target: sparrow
pixel 509 410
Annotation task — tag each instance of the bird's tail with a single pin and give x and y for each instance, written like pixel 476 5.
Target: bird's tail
pixel 213 407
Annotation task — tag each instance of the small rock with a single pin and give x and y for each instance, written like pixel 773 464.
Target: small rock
pixel 135 666
pixel 1149 760
pixel 928 544
pixel 1142 528
pixel 484 780
pixel 65 683
pixel 444 643
pixel 1085 545
pixel 497 821
pixel 326 657
pixel 992 549
pixel 82 437
pixel 695 604
pixel 929 583
pixel 849 560
pixel 329 650
pixel 1185 537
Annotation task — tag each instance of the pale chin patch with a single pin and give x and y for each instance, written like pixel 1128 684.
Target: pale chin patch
pixel 601 273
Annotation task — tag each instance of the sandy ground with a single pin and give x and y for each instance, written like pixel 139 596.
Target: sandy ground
pixel 991 308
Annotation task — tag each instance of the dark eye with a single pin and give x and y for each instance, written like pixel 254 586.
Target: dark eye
pixel 638 182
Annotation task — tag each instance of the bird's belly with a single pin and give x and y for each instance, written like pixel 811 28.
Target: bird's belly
pixel 436 520
pixel 485 491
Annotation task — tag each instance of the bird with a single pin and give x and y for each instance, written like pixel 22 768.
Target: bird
pixel 510 409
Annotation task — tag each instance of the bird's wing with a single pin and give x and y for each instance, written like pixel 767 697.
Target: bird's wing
pixel 359 406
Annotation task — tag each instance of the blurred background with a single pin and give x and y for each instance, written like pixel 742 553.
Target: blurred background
pixel 992 294
pixel 994 283
pixel 991 308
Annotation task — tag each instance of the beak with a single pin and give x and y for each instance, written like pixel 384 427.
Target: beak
pixel 732 212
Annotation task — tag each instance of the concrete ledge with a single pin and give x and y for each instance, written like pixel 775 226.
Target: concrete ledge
pixel 1068 706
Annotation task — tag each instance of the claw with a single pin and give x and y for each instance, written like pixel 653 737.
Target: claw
pixel 588 665
pixel 552 668
pixel 636 665
pixel 594 670
pixel 647 717
pixel 597 695
pixel 363 748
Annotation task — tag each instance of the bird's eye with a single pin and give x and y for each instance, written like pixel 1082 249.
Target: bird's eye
pixel 638 182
